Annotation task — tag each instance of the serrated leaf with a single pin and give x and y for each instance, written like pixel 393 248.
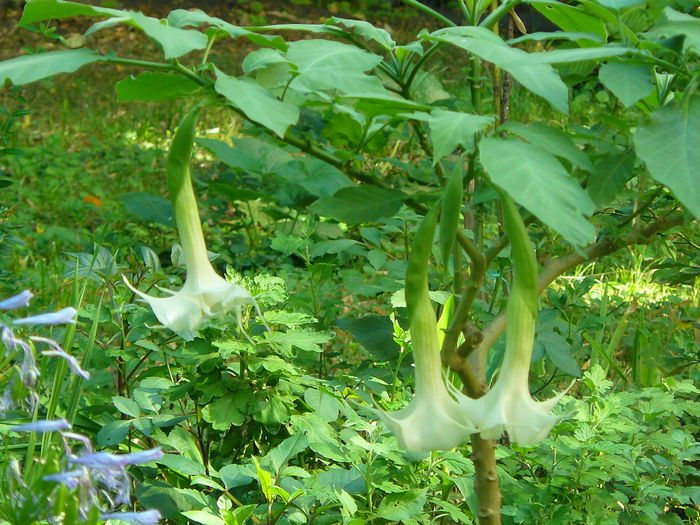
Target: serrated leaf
pixel 537 180
pixel 669 145
pixel 225 412
pixel 628 82
pixel 358 204
pixel 402 506
pixel 154 86
pixel 306 340
pixel 257 103
pixel 29 68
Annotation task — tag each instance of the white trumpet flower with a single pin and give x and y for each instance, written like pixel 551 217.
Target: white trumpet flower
pixel 205 294
pixel 508 405
pixel 438 417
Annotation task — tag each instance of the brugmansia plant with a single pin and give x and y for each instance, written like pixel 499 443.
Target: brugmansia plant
pixel 619 173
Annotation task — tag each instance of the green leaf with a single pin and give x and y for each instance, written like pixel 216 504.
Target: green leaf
pixel 328 65
pixel 126 406
pixel 174 41
pixel 553 140
pixel 609 176
pixel 358 204
pixel 303 339
pixel 674 23
pixel 628 82
pixel 540 78
pixel 38 10
pixel 366 31
pixel 325 405
pixel 620 4
pixel 203 516
pixel 184 18
pixel 257 103
pixel 562 56
pixel 248 154
pixel 182 465
pixel 29 68
pixel 571 18
pixel 155 86
pixel 556 35
pixel 402 506
pixel 113 432
pixel 234 476
pixel 450 213
pixel 558 350
pixel 537 180
pixel 375 333
pixel 225 412
pixel 669 145
pixel 290 447
pixel 318 178
pixel 148 207
pixel 448 129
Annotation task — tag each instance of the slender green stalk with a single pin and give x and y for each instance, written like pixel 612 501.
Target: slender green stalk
pixel 430 12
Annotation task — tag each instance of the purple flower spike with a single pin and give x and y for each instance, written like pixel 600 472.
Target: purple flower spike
pixel 17 301
pixel 70 479
pixel 66 315
pixel 147 517
pixel 42 426
pixel 105 460
pixel 59 352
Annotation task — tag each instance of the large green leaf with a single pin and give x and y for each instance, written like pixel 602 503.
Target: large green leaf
pixel 537 180
pixel 315 176
pixel 540 78
pixel 609 176
pixel 628 82
pixel 184 18
pixel 571 18
pixel 358 204
pixel 669 144
pixel 328 65
pixel 673 23
pixel 554 140
pixel 375 333
pixel 561 56
pixel 257 103
pixel 448 129
pixel 39 10
pixel 154 85
pixel 29 68
pixel 174 41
